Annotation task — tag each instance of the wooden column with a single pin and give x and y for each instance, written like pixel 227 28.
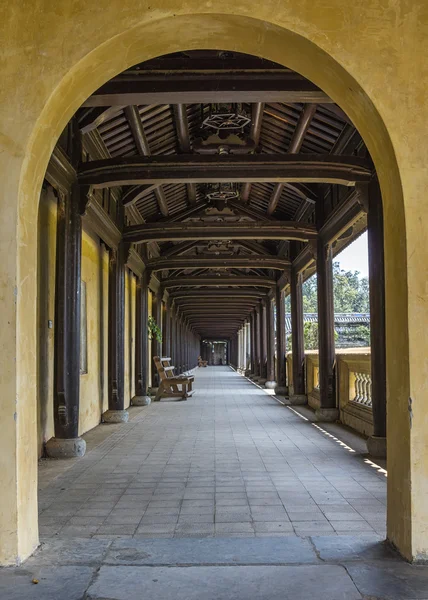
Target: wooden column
pixel 173 351
pixel 166 329
pixel 297 394
pixel 377 443
pixel 327 410
pixel 258 340
pixel 263 343
pixel 141 397
pixel 116 336
pixel 67 442
pixel 281 382
pixel 253 344
pixel 156 346
pixel 270 383
pixel 248 348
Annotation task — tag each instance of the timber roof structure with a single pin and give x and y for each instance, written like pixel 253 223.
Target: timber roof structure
pixel 228 167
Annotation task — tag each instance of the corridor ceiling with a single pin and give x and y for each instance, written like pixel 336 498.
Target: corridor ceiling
pixel 220 160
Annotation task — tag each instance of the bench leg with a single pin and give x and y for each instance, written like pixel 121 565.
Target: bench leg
pixel 159 392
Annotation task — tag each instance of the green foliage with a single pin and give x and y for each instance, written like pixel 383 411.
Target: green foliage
pixel 351 292
pixel 155 332
pixel 310 335
pixel 360 334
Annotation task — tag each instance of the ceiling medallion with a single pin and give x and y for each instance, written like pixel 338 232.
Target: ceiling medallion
pixel 223 130
pixel 221 193
pixel 226 117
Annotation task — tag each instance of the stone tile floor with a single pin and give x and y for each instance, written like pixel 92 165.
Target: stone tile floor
pixel 231 460
pixel 257 501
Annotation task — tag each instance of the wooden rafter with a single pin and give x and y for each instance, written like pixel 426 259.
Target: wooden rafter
pixel 133 117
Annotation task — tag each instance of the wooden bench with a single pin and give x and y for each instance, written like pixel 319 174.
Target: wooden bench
pixel 169 384
pixel 202 363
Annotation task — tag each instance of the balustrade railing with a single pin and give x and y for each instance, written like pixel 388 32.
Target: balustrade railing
pixel 353 385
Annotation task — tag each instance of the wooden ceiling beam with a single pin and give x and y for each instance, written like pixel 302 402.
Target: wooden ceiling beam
pixel 218 262
pixel 187 87
pixel 255 230
pixel 135 170
pixel 216 294
pixel 136 193
pixel 89 119
pixel 218 282
pixel 257 110
pixel 296 142
pixel 182 124
pixel 133 117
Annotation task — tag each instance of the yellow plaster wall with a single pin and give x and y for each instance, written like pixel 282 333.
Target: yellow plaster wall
pixel 93 384
pixel 45 314
pixel 368 55
pixel 130 307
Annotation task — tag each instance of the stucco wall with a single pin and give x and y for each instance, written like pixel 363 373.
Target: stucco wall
pixel 94 383
pixel 368 55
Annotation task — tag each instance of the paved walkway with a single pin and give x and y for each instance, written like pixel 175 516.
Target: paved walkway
pixel 256 502
pixel 230 461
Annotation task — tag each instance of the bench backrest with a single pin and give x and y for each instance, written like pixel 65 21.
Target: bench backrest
pixel 163 367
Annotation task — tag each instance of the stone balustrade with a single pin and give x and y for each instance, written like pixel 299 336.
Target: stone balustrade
pixel 353 386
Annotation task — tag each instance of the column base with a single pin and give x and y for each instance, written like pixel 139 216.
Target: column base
pixel 327 415
pixel 281 391
pixel 376 446
pixel 298 399
pixel 65 448
pixel 141 400
pixel 270 385
pixel 116 416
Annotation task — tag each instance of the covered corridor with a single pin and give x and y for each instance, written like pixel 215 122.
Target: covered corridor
pixel 230 495
pixel 229 461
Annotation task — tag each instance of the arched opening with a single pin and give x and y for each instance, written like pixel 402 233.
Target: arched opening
pixel 236 34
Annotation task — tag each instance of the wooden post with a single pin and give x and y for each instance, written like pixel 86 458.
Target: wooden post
pixel 67 442
pixel 297 395
pixel 270 383
pixel 377 443
pixel 258 341
pixel 116 336
pixel 141 397
pixel 281 383
pixel 263 343
pixel 327 410
pixel 253 344
pixel 166 329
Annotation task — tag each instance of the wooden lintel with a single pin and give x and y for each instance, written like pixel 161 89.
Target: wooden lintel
pixel 187 87
pixel 234 262
pixel 263 230
pixel 276 168
pixel 219 282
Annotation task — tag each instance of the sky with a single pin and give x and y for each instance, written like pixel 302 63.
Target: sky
pixel 355 256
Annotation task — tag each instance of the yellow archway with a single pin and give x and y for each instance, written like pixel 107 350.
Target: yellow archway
pixel 66 69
